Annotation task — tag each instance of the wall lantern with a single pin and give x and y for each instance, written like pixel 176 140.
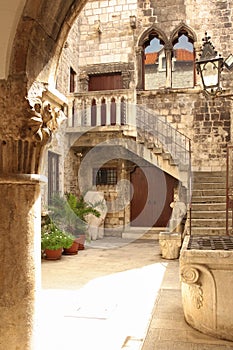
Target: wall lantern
pixel 133 22
pixel 209 66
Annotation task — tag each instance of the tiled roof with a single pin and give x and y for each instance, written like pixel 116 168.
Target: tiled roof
pixel 151 57
pixel 183 55
pixel 180 54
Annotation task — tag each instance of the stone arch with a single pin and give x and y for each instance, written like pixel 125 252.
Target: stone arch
pixel 182 29
pixel 143 42
pixel 40 38
pixel 152 31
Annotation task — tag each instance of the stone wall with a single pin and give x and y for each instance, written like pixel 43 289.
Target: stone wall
pixel 104 40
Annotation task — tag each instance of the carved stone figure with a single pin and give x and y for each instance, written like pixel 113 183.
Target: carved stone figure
pixel 179 210
pixel 96 224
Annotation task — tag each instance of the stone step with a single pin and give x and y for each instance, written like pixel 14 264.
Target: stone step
pixel 218 176
pixel 208 222
pixel 209 192
pixel 143 232
pixel 212 231
pixel 209 185
pixel 209 214
pixel 210 199
pixel 208 206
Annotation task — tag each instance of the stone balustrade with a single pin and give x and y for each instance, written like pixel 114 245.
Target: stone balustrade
pixel 101 108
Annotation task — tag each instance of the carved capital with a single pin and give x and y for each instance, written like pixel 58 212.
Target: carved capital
pixel 42 122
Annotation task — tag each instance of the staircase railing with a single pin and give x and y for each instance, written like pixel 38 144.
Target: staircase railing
pixel 229 191
pixel 157 129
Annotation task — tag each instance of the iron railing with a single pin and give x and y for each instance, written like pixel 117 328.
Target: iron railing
pixel 229 191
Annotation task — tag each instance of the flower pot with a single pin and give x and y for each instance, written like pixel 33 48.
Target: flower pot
pixel 53 254
pixel 81 241
pixel 72 250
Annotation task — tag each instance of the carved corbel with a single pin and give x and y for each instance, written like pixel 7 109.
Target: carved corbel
pixel 191 275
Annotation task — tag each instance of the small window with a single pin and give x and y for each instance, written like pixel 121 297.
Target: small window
pixel 72 79
pixel 105 176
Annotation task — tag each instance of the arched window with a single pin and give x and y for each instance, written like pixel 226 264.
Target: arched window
pixel 93 112
pixel 113 111
pixel 164 63
pixel 183 62
pixel 103 112
pixel 154 64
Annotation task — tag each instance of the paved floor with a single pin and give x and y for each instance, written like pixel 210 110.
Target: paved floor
pixel 116 295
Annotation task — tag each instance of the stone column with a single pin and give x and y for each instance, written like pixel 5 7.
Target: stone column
pixel 20 260
pixel 25 129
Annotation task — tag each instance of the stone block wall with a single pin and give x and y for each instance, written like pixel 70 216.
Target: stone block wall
pixel 105 31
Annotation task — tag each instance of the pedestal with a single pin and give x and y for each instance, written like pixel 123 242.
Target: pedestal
pixel 170 244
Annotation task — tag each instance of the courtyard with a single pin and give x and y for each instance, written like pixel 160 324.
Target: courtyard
pixel 116 294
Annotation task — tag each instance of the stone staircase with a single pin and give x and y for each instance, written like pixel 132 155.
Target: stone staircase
pixel 208 203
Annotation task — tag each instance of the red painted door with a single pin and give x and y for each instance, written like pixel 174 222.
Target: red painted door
pixel 152 194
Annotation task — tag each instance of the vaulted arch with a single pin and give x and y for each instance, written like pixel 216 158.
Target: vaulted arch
pixel 40 36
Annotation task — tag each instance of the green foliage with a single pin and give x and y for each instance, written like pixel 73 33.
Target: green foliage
pixel 53 238
pixel 69 213
pixel 80 207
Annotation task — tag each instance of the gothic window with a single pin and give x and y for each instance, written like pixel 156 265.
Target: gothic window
pixel 105 176
pixel 183 63
pixel 53 175
pixel 165 63
pixel 154 64
pixel 93 113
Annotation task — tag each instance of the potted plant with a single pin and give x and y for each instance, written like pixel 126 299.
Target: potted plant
pixel 54 240
pixel 69 213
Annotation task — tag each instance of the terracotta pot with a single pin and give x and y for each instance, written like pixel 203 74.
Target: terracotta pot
pixel 53 254
pixel 72 250
pixel 81 240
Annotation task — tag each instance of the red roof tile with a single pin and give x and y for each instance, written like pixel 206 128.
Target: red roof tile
pixel 184 55
pixel 151 57
pixel 180 54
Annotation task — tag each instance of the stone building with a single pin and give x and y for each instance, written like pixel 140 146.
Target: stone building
pixel 136 110
pixel 86 60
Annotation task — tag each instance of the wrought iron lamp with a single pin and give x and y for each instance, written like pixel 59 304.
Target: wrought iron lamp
pixel 210 66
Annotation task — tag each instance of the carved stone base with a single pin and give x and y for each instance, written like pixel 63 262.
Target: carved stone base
pixel 170 244
pixel 207 279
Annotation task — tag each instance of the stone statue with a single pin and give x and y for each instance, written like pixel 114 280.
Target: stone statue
pixel 179 210
pixel 96 224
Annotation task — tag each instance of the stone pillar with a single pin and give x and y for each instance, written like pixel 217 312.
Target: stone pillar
pixel 24 133
pixel 20 260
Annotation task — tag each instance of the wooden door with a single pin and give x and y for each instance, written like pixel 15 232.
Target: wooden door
pixel 153 192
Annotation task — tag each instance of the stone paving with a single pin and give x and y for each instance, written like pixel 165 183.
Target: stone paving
pixel 116 295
